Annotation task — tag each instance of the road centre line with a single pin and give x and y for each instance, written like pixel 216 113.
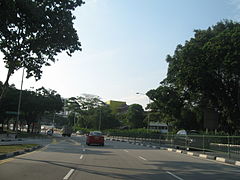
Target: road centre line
pixel 142 158
pixel 75 142
pixel 174 175
pixel 68 174
pixel 125 150
pixel 81 156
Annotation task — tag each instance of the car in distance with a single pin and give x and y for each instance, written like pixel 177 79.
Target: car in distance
pixel 188 139
pixel 50 132
pixel 67 131
pixel 79 133
pixel 95 137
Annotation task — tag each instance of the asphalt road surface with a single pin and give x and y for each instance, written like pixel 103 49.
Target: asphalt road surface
pixel 71 159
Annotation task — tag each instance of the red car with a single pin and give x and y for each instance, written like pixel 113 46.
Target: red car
pixel 95 137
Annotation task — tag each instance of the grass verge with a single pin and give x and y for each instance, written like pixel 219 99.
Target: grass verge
pixel 4 149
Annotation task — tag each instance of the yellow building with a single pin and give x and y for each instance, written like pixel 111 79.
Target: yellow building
pixel 117 106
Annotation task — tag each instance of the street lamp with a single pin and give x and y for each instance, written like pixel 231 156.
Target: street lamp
pixel 148 116
pixel 100 114
pixel 19 103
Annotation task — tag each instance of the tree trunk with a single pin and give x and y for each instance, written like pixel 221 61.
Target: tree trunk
pixel 33 127
pixel 14 126
pixel 28 128
pixel 1 128
pixel 8 124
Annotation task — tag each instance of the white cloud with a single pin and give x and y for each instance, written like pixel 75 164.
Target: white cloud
pixel 137 99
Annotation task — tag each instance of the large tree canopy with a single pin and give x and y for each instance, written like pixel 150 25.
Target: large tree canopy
pixel 208 68
pixel 135 116
pixel 33 32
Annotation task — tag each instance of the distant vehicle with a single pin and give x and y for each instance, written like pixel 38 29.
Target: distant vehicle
pixel 95 137
pixel 189 140
pixel 79 133
pixel 66 131
pixel 50 132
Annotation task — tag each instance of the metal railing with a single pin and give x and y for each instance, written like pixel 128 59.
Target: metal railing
pixel 228 146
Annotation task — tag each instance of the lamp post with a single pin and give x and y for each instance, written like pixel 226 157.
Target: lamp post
pixel 19 103
pixel 100 114
pixel 148 117
pixel 100 120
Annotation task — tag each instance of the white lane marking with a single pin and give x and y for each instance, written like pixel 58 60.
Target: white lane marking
pixel 81 156
pixel 68 174
pixel 142 158
pixel 84 150
pixel 125 150
pixel 174 175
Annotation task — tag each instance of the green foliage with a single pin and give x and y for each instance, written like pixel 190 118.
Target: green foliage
pixel 33 105
pixel 135 116
pixel 207 68
pixel 167 101
pixel 202 74
pixel 33 32
pixel 88 111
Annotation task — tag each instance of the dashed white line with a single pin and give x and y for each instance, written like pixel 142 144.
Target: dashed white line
pixel 125 150
pixel 174 175
pixel 142 158
pixel 68 174
pixel 81 156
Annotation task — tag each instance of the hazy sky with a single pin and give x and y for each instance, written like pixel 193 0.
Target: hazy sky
pixel 125 43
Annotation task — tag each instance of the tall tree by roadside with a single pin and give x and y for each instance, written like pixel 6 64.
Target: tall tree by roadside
pixel 208 68
pixel 82 109
pixel 33 32
pixel 135 116
pixel 168 102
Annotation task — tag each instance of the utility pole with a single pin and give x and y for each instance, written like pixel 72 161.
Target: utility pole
pixel 19 103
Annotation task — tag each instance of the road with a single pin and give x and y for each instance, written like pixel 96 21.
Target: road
pixel 70 159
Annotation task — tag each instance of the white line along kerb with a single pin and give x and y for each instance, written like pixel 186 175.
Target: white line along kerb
pixel 174 176
pixel 142 158
pixel 68 174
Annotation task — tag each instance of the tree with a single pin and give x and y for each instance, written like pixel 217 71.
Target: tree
pixel 33 32
pixel 135 116
pixel 10 105
pixel 207 67
pixel 168 102
pixel 34 105
pixel 89 111
pixel 82 108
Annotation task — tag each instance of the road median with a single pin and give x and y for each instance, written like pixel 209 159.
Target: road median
pixel 7 151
